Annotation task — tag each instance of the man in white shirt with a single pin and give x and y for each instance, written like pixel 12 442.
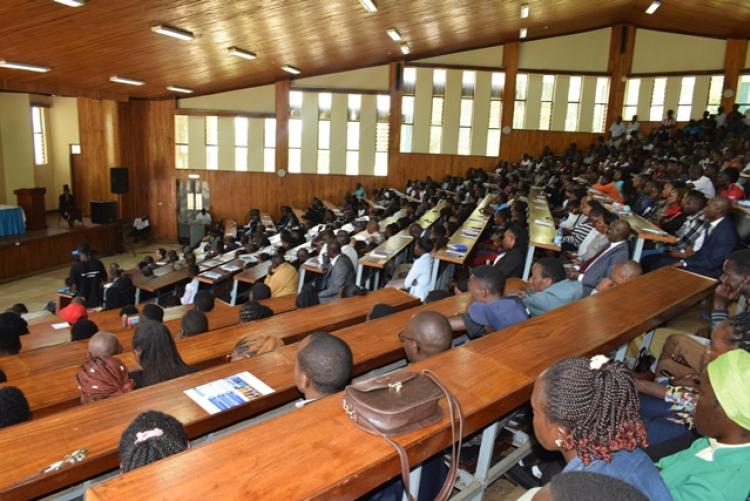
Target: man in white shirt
pixel 701 182
pixel 191 289
pixel 418 279
pixel 633 128
pixel 617 130
pixel 203 217
pixel 347 248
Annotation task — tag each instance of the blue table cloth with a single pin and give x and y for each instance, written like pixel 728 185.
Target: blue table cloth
pixel 11 222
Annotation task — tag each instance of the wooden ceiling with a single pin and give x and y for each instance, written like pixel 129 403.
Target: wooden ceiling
pixel 85 46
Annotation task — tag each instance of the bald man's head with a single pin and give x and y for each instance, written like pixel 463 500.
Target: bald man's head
pixel 104 344
pixel 625 272
pixel 716 208
pixel 427 333
pixel 618 231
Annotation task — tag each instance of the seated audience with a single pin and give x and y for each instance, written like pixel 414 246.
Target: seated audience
pixel 307 297
pixel 14 408
pixel 600 265
pixel 259 291
pixel 257 345
pixel 549 287
pixel 608 188
pixel 104 344
pixel 192 323
pixel 74 311
pixel 596 240
pixel 150 437
pixel 716 466
pixel 427 333
pixel 153 312
pixel 10 341
pixel 621 273
pixel 418 278
pixel 282 277
pixel 511 259
pixel 489 310
pixel 83 329
pixel 587 409
pixel 156 354
pixel 323 366
pixel 347 248
pixel 727 184
pixel 204 301
pixel 253 310
pixel 191 289
pixel 120 291
pixel 380 310
pixel 340 273
pixel 586 486
pixel 103 377
pixel 12 318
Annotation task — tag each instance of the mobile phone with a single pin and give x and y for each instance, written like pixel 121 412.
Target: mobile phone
pixel 133 321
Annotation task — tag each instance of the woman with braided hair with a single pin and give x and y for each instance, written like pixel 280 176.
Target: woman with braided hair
pixel 587 409
pixel 667 409
pixel 150 437
pixel 103 377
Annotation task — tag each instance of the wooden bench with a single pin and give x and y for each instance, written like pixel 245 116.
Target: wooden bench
pixel 476 223
pixel 76 352
pixel 490 377
pixel 541 227
pixel 98 426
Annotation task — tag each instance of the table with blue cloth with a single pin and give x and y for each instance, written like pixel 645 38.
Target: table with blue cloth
pixel 11 220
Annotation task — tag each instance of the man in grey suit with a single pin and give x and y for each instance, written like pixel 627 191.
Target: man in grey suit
pixel 600 266
pixel 340 273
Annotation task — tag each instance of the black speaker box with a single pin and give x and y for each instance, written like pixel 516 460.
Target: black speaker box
pixel 103 211
pixel 118 177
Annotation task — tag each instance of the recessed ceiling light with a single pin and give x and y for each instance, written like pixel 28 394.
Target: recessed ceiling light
pixel 654 5
pixel 291 69
pixel 126 81
pixel 369 5
pixel 244 54
pixel 173 32
pixel 394 34
pixel 72 3
pixel 181 90
pixel 522 32
pixel 14 65
pixel 405 49
pixel 524 11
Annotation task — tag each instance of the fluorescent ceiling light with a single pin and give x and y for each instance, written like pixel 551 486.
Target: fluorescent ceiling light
pixel 405 49
pixel 170 31
pixel 522 33
pixel 244 54
pixel 181 90
pixel 13 65
pixel 369 5
pixel 654 5
pixel 394 34
pixel 72 3
pixel 524 11
pixel 193 176
pixel 126 81
pixel 291 69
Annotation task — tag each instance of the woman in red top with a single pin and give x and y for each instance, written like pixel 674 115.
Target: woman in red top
pixel 727 183
pixel 607 187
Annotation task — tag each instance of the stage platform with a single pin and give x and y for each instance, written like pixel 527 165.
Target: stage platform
pixel 40 250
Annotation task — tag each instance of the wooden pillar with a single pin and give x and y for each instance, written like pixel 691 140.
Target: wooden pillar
pixel 734 61
pixel 396 87
pixel 282 123
pixel 511 51
pixel 621 44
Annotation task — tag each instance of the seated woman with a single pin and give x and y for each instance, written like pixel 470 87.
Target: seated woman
pixel 150 437
pixel 156 354
pixel 587 409
pixel 103 377
pixel 668 409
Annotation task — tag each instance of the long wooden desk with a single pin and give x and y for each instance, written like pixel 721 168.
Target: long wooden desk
pixel 490 377
pixel 379 257
pixel 75 352
pixel 250 276
pixel 98 426
pixel 474 225
pixel 541 227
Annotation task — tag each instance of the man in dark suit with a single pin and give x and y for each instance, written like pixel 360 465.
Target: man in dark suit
pixel 600 266
pixel 515 241
pixel 340 273
pixel 719 240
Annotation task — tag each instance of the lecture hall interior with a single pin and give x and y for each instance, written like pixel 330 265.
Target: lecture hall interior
pixel 520 227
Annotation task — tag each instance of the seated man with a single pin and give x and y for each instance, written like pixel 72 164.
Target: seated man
pixel 191 289
pixel 204 301
pixel 600 266
pixel 717 466
pixel 489 310
pixel 282 279
pixel 427 333
pixel 339 274
pixel 192 323
pixel 621 273
pixel 104 344
pixel 418 279
pixel 550 287
pixel 15 407
pixel 152 312
pixel 323 366
pixel 510 261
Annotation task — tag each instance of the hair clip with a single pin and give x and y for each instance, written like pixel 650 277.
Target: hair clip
pixel 74 457
pixel 597 362
pixel 142 436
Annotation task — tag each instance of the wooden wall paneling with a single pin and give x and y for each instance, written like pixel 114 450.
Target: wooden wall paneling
pixel 620 65
pixel 534 141
pixel 734 62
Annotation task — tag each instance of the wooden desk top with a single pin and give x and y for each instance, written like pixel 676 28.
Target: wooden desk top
pixel 490 377
pixel 332 207
pixel 475 223
pixel 373 345
pixel 383 253
pixel 255 273
pixel 76 352
pixel 541 222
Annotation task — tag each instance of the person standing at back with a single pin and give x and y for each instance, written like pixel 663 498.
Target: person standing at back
pixel 87 275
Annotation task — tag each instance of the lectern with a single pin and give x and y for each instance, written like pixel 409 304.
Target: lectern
pixel 32 202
